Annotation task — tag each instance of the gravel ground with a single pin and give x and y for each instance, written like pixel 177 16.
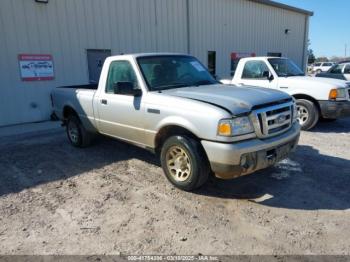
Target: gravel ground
pixel 113 198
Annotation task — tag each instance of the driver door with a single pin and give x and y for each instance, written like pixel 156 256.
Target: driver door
pixel 121 115
pixel 257 73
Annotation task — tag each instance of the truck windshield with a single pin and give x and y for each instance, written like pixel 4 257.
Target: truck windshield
pixel 285 67
pixel 168 72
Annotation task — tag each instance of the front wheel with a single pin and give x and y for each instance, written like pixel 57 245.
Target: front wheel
pixel 184 162
pixel 308 114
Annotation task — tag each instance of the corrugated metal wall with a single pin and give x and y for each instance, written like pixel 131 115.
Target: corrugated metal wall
pixel 228 26
pixel 66 28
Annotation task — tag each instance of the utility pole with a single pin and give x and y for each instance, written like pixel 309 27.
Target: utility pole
pixel 346 49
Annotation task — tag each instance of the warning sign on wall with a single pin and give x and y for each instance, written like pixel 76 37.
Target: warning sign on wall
pixel 36 67
pixel 235 57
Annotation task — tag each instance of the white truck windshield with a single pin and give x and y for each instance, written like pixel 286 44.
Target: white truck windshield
pixel 285 67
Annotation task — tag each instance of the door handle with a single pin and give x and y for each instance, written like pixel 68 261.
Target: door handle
pixel 104 101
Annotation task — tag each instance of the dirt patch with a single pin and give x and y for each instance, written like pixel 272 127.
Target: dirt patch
pixel 113 198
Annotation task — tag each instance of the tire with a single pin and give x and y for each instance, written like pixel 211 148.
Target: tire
pixel 77 135
pixel 319 71
pixel 184 162
pixel 308 114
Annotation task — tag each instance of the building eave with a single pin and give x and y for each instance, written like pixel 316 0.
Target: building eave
pixel 284 6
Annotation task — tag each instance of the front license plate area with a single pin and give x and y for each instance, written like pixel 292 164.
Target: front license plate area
pixel 283 151
pixel 277 154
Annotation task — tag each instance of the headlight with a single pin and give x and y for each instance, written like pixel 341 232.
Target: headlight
pixel 339 93
pixel 235 126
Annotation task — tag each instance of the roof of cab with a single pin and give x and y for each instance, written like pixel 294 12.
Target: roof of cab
pixel 262 57
pixel 137 55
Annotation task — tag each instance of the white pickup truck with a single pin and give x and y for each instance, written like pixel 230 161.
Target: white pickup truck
pixel 170 104
pixel 316 97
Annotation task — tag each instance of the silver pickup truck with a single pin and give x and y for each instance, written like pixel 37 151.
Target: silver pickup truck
pixel 170 104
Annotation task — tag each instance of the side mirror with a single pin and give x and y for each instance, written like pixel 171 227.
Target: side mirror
pixel 126 88
pixel 268 75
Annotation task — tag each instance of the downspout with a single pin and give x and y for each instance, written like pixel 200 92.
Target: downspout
pixel 188 26
pixel 306 38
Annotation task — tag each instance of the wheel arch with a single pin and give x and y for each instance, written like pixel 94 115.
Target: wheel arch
pixel 309 98
pixel 168 131
pixel 68 111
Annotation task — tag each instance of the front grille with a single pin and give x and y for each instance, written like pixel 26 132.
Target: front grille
pixel 274 120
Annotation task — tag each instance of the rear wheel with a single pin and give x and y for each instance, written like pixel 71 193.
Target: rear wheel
pixel 308 114
pixel 76 132
pixel 184 162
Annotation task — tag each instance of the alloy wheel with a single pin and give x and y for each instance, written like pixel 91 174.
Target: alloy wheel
pixel 178 163
pixel 303 114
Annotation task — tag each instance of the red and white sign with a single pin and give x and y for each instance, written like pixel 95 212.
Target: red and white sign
pixel 36 67
pixel 241 55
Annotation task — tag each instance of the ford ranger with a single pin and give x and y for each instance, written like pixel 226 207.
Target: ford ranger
pixel 171 105
pixel 316 97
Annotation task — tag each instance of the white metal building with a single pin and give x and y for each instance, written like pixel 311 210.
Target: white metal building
pixel 49 43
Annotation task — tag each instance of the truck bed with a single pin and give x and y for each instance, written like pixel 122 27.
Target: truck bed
pixel 88 86
pixel 78 97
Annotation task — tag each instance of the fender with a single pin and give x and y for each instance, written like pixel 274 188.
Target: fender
pixel 178 121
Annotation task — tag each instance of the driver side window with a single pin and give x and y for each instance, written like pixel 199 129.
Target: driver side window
pixel 120 71
pixel 254 70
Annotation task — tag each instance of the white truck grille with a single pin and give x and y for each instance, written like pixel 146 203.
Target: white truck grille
pixel 273 120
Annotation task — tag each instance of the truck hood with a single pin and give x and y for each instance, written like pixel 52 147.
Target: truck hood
pixel 304 80
pixel 236 100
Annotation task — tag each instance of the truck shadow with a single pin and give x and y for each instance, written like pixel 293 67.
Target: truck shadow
pixel 338 126
pixel 27 162
pixel 307 181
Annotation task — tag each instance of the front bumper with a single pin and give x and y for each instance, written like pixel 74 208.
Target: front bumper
pixel 243 158
pixel 335 109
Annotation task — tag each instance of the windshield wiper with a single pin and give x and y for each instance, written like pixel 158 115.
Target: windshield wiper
pixel 175 85
pixel 179 85
pixel 286 75
pixel 202 83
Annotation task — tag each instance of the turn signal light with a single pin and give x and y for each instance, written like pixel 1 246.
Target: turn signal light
pixel 224 129
pixel 333 94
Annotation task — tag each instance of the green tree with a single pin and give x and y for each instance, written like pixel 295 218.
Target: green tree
pixel 311 57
